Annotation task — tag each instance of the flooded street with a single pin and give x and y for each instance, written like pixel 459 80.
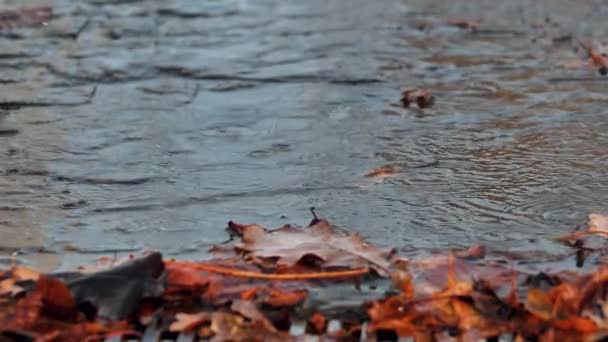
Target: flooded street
pixel 130 125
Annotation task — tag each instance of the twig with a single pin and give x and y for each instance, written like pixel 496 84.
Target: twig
pixel 258 275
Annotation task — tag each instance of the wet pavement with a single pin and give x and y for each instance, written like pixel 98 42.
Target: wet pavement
pixel 133 125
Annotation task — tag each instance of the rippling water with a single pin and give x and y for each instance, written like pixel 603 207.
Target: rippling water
pixel 149 124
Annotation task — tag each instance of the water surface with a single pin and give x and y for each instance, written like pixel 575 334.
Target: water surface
pixel 137 125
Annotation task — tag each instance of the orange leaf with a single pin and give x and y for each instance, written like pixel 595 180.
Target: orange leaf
pixel 578 324
pixel 56 298
pixel 383 172
pixel 539 304
pixel 403 281
pixel 597 59
pixel 402 327
pixel 277 297
pixel 249 294
pixel 317 324
pixel 468 317
pixel 188 322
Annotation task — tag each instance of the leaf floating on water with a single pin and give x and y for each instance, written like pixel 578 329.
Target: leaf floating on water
pixel 473 252
pixel 383 172
pixel 596 59
pixel 595 225
pixel 472 25
pixel 599 61
pixel 421 97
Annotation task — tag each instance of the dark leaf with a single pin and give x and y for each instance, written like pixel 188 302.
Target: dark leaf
pixel 116 292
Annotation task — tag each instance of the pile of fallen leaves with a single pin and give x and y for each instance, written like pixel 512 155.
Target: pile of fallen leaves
pixel 264 285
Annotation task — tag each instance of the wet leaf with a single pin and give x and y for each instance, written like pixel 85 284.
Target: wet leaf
pixel 468 316
pixel 57 299
pixel 10 280
pixel 230 327
pixel 277 297
pixel 188 322
pixel 249 310
pixel 595 225
pixel 403 281
pixel 318 244
pixel 599 61
pixel 473 252
pixel 239 298
pixel 116 292
pixel 578 324
pixel 317 324
pixel 472 25
pixel 383 172
pixel 421 97
pixel 539 304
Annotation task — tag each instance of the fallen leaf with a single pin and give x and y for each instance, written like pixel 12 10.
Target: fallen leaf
pixel 565 299
pixel 595 225
pixel 230 327
pixel 57 299
pixel 249 294
pixel 599 61
pixel 188 322
pixel 180 277
pixel 277 297
pixel 116 292
pixel 474 252
pixel 317 324
pixel 383 172
pixel 421 97
pixel 578 324
pixel 389 308
pixel 402 280
pixel 10 279
pixel 249 310
pixel 468 316
pixel 472 25
pixel 539 304
pixel 320 243
pixel 256 292
pixel 24 315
